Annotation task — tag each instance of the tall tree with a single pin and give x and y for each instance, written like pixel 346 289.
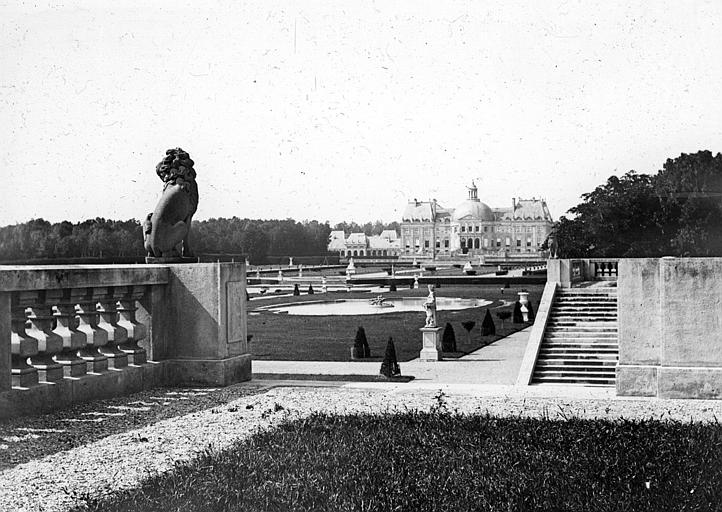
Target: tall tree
pixel 675 212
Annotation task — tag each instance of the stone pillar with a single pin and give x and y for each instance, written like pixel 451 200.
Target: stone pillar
pixel 22 347
pixel 431 344
pixel 203 319
pixel 6 331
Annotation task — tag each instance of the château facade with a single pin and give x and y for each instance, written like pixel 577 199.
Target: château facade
pixel 473 228
pixel 430 231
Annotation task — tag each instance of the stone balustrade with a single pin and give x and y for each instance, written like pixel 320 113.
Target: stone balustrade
pixel 72 333
pixel 567 272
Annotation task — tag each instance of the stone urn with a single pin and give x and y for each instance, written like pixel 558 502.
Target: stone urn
pixel 524 302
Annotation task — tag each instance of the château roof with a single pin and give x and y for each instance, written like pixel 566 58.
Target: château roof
pixel 526 209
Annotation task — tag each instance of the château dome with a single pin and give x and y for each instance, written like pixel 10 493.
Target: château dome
pixel 473 209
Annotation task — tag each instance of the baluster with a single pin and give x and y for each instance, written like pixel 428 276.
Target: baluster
pixel 73 339
pixel 94 337
pixel 22 346
pixel 136 330
pixel 109 323
pixel 49 343
pixel 616 268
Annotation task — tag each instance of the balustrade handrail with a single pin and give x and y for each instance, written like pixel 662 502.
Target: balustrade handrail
pixel 53 277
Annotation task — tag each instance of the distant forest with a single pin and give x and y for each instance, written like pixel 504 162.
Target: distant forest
pixel 104 238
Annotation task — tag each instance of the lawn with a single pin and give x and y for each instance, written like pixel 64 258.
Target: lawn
pixel 446 461
pixel 329 338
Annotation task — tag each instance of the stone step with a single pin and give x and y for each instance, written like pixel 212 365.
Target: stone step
pixel 591 347
pixel 582 328
pixel 589 342
pixel 584 308
pixel 586 381
pixel 580 334
pixel 585 362
pixel 584 303
pixel 552 352
pixel 565 293
pixel 585 319
pixel 576 373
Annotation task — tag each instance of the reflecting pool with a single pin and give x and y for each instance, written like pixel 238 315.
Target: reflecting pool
pixel 366 307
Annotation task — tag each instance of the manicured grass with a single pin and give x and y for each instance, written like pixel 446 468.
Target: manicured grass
pixel 435 461
pixel 329 338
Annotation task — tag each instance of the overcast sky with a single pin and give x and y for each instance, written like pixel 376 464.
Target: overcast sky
pixel 346 110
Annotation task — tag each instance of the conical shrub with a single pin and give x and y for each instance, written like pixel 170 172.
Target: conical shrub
pixel 360 349
pixel 448 339
pixel 487 325
pixel 296 291
pixel 531 311
pixel 392 286
pixel 390 366
pixel 310 289
pixel 517 317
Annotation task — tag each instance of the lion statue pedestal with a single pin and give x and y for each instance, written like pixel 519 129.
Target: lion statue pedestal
pixel 166 231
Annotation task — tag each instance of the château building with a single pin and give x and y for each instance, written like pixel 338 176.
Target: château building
pixel 430 231
pixel 473 228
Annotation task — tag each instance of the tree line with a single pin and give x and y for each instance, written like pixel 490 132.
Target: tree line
pixel 676 212
pixel 104 238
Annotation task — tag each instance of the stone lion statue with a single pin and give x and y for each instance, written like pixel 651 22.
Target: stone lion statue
pixel 166 231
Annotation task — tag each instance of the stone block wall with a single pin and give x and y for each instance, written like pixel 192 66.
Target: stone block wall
pixel 670 327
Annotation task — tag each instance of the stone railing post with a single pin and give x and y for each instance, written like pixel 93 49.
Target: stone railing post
pixel 94 336
pixel 49 343
pixel 73 339
pixel 109 323
pixel 136 331
pixel 22 347
pixel 5 342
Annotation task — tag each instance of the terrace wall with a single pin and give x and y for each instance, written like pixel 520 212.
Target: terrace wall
pixel 77 332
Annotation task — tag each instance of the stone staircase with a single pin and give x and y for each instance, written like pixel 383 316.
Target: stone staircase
pixel 580 344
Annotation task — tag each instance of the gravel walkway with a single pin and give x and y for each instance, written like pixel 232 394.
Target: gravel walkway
pixel 55 461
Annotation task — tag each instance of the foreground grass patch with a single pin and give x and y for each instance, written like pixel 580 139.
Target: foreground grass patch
pixel 433 461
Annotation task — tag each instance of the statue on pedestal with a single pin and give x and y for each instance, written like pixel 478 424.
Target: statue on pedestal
pixel 430 307
pixel 166 231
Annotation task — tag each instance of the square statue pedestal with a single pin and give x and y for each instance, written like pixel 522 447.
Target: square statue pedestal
pixel 431 344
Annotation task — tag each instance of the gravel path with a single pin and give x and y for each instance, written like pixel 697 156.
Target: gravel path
pixel 113 444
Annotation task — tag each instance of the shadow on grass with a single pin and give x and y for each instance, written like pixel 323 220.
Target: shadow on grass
pixel 446 461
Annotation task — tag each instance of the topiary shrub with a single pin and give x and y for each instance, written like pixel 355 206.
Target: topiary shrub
pixel 448 339
pixel 503 315
pixel 360 349
pixel 310 289
pixel 390 366
pixel 392 286
pixel 468 325
pixel 296 291
pixel 531 311
pixel 518 318
pixel 487 325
